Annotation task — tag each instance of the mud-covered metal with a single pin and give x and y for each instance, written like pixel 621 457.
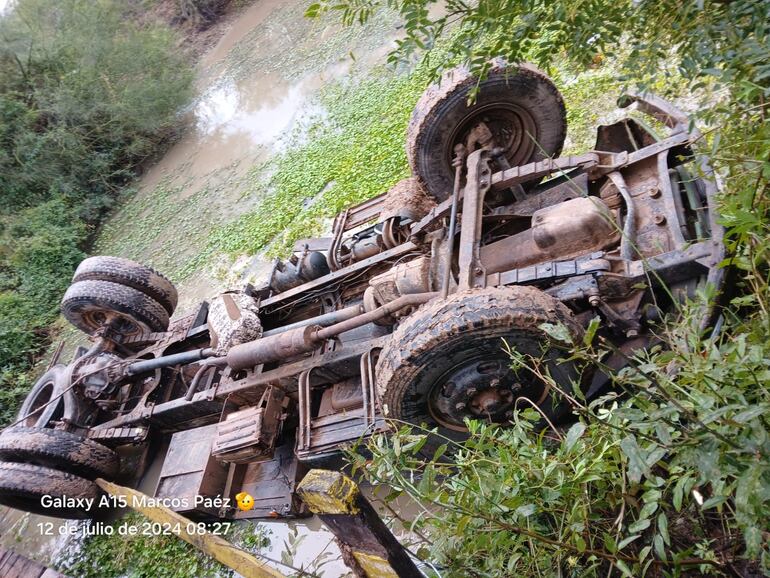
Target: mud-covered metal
pixel 403 310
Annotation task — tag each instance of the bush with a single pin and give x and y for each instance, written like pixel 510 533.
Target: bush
pixel 670 472
pixel 86 95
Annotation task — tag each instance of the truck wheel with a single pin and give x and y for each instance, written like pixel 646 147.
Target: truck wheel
pixel 60 450
pixel 22 487
pixel 93 305
pixel 448 361
pixel 129 273
pixel 520 105
pixel 34 412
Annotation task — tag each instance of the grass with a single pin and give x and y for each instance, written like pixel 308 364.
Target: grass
pixel 154 556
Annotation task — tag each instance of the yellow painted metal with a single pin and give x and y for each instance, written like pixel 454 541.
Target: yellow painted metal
pixel 374 566
pixel 327 492
pixel 215 546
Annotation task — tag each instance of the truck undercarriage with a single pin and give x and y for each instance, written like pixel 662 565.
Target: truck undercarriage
pixel 399 315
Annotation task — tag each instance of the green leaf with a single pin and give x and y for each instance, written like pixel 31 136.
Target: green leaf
pixel 713 502
pixel 573 435
pixel 462 524
pixel 750 414
pixel 639 525
pixel 663 528
pixel 439 452
pixel 590 333
pixel 313 11
pixel 526 510
pixel 626 541
pixel 660 548
pixel 636 459
pixel 609 543
pixel 624 569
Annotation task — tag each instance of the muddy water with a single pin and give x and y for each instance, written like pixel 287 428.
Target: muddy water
pixel 257 88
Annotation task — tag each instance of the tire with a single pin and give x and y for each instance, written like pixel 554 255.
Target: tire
pixel 50 384
pixel 131 274
pixel 59 450
pixel 513 101
pixel 447 350
pixel 88 305
pixel 22 487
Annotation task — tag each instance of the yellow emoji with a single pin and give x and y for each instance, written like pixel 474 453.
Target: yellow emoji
pixel 245 501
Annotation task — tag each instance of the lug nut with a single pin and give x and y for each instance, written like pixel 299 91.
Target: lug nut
pixel 460 406
pixel 659 219
pixel 594 300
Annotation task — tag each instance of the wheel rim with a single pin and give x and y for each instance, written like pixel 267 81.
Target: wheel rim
pixel 483 387
pixel 510 125
pixel 96 318
pixel 35 412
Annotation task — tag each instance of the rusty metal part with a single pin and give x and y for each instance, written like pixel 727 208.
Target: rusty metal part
pixel 169 360
pixel 387 309
pixel 471 270
pixel 305 339
pixel 339 276
pixel 283 346
pixel 405 278
pixel 249 434
pixel 551 270
pixel 309 265
pixel 628 241
pixel 656 107
pixel 670 202
pixel 537 170
pixel 118 436
pixel 322 433
pixel 569 229
pixel 338 230
pixel 321 320
pixel 457 163
pixel 202 370
pixel 190 472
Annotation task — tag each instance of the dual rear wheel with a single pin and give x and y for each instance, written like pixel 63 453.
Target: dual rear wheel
pixel 120 295
pixel 38 463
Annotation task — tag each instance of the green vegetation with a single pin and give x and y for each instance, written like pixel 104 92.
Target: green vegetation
pixel 664 474
pixel 354 151
pixel 670 475
pixel 141 556
pixel 86 95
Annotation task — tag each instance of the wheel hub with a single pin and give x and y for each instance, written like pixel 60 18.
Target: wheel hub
pixel 508 127
pixel 479 388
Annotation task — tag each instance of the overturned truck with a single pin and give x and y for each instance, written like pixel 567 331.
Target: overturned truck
pixel 401 313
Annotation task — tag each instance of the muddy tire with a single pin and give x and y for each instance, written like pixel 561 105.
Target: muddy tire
pixel 22 486
pixel 90 305
pixel 447 360
pixel 34 412
pixel 59 450
pixel 521 106
pixel 129 273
